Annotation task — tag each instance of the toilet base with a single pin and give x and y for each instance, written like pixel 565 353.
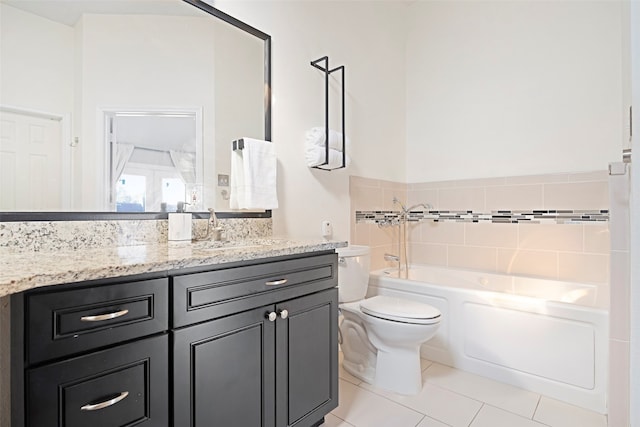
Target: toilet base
pixel 359 371
pixel 399 371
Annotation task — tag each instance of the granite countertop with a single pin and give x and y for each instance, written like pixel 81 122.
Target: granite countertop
pixel 20 271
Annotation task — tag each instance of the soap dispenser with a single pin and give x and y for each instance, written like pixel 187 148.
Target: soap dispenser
pixel 180 224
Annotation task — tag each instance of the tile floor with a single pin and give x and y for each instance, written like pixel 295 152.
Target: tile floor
pixel 453 398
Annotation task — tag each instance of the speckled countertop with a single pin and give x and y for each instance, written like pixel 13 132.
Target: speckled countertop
pixel 20 271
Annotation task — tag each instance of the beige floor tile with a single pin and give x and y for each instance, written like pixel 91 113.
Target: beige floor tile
pixel 559 414
pixel 495 417
pixel 430 422
pixel 333 421
pixel 436 402
pixel 495 393
pixel 362 408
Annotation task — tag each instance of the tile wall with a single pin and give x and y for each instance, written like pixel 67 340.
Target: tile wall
pixel 619 315
pixel 541 247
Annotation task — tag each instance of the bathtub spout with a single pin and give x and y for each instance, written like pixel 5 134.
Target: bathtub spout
pixel 394 258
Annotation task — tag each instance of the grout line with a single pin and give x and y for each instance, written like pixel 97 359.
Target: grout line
pixel 513 413
pixel 420 420
pixel 536 409
pixel 476 415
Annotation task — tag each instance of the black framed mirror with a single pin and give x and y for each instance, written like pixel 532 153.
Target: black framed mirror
pixel 185 18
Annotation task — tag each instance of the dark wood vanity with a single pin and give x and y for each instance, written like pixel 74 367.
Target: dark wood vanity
pixel 250 343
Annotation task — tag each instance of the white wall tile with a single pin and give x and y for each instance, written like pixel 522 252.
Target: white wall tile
pixel 445 232
pixel 619 383
pixel 581 195
pixel 514 197
pixel 559 237
pixel 529 263
pixel 462 199
pixel 582 267
pixel 491 234
pixel 470 257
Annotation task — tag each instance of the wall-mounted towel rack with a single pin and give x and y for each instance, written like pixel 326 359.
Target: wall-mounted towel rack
pixel 238 144
pixel 325 69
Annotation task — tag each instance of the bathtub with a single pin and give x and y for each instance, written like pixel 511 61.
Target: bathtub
pixel 545 336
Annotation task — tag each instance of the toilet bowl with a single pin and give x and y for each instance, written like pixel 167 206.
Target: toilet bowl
pixel 380 336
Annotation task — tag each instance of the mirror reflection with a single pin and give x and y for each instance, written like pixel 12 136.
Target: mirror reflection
pixel 123 106
pixel 154 160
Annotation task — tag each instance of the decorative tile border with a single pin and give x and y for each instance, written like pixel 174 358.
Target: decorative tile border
pixel 530 217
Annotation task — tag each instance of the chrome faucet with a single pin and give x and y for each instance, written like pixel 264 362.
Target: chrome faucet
pixel 213 219
pixel 214 231
pixel 405 210
pixel 403 217
pixel 391 257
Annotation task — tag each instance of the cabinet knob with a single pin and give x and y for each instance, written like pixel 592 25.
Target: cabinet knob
pixel 284 314
pixel 271 316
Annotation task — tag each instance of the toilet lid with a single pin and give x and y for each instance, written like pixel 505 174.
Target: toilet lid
pixel 400 310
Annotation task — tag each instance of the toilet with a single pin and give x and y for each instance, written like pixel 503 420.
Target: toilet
pixel 380 336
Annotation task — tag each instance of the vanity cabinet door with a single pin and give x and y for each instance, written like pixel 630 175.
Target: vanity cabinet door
pixel 224 371
pixel 307 359
pixel 123 386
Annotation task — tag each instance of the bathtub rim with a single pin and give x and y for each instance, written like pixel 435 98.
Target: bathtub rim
pixel 601 304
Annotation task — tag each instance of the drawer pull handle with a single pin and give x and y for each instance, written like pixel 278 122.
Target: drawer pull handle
pixel 101 317
pixel 276 282
pixel 284 314
pixel 271 316
pixel 106 403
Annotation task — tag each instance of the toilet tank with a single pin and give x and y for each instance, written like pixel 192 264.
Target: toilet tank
pixel 353 272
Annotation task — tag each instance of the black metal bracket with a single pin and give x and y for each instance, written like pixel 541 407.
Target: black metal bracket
pixel 238 144
pixel 325 69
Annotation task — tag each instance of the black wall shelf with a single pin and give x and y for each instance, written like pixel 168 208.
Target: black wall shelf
pixel 322 64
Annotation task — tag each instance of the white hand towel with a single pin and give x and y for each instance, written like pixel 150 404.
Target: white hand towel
pixel 256 188
pixel 316 155
pixel 315 137
pixel 237 189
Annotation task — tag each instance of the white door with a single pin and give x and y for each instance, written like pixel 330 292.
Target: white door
pixel 30 163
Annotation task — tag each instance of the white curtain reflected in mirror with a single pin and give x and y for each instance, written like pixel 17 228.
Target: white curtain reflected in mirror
pixel 155 159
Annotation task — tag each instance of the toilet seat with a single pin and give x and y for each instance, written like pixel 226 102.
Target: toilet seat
pixel 400 310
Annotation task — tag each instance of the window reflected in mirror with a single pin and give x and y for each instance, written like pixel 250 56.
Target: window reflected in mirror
pixel 155 160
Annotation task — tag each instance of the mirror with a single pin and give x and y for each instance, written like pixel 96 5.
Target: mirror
pixel 125 106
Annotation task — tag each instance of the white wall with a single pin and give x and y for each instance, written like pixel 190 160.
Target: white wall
pixel 36 62
pixel 499 88
pixel 635 219
pixel 366 37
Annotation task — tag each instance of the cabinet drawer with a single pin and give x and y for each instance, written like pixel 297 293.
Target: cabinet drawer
pixel 203 296
pixel 69 321
pixel 123 386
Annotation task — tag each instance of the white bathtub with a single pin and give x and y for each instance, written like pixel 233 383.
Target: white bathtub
pixel 546 336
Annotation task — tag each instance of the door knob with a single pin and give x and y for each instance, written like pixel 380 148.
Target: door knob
pixel 284 314
pixel 271 316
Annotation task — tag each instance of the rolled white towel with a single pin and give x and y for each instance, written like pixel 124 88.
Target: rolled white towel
pixel 315 136
pixel 316 155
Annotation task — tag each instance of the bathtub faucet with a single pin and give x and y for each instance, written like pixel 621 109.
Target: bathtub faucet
pixel 403 217
pixel 391 257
